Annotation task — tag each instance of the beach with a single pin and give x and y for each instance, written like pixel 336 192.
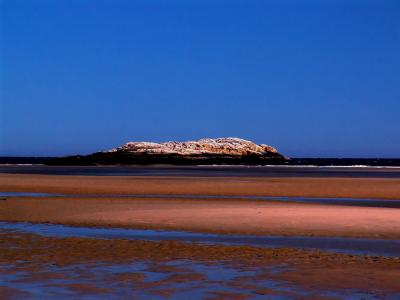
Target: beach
pixel 226 215
pixel 234 207
pixel 115 267
pixel 306 186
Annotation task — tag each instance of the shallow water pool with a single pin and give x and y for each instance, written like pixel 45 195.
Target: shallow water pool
pixel 374 247
pixel 316 200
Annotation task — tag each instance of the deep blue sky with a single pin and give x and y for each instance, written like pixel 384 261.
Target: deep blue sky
pixel 320 78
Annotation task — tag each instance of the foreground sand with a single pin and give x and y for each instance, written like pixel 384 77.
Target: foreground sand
pixel 46 258
pixel 207 215
pixel 71 260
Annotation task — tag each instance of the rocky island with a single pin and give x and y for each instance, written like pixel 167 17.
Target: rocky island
pixel 207 151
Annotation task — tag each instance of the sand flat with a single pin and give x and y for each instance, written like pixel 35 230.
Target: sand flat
pixel 374 188
pixel 207 215
pixel 67 258
pixel 311 271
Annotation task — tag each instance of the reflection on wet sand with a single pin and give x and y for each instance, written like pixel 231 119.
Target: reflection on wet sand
pixel 318 200
pixel 353 246
pixel 34 266
pixel 177 279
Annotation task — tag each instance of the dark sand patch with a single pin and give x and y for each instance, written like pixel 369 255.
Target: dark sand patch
pixel 132 277
pixel 7 293
pixel 219 295
pixel 88 289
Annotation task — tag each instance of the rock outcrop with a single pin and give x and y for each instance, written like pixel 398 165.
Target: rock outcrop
pixel 223 146
pixel 203 151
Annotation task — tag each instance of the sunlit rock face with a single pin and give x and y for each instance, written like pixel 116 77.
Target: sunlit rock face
pixel 219 146
pixel 219 151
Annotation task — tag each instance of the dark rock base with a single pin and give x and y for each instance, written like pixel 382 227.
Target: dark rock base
pixel 119 158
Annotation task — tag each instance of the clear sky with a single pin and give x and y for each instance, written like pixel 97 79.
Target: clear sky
pixel 314 78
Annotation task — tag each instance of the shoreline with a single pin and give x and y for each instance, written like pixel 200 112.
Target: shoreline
pixel 208 171
pixel 216 166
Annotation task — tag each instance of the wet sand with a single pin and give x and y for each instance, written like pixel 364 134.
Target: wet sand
pixel 207 215
pixel 48 259
pixel 374 188
pixel 75 265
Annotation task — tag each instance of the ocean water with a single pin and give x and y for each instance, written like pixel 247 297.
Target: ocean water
pixel 353 171
pixel 355 162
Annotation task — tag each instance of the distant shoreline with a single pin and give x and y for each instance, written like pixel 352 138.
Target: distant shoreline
pixel 204 171
pixel 216 166
pixel 293 162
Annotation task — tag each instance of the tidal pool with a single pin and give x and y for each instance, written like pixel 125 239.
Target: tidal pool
pixel 356 246
pixel 316 200
pixel 180 279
